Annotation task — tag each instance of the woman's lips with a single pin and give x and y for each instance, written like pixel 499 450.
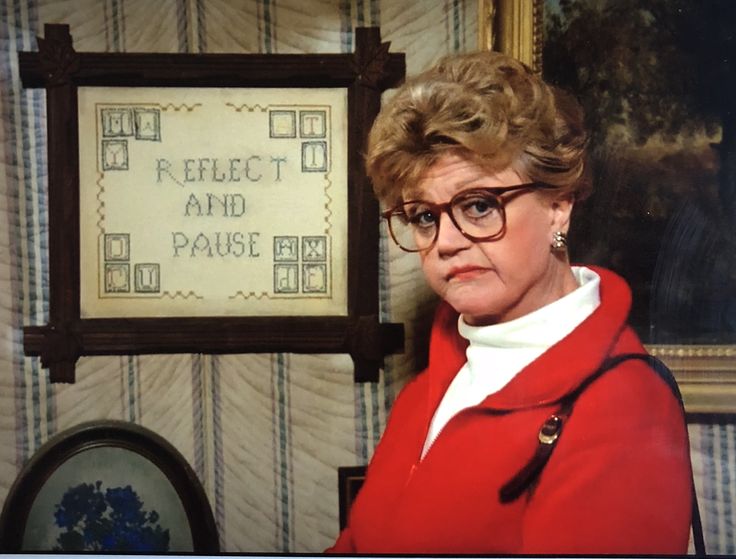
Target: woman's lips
pixel 466 273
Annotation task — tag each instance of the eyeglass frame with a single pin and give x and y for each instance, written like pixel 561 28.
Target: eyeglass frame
pixel 446 207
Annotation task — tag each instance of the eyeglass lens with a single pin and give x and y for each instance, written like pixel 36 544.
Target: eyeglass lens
pixel 477 214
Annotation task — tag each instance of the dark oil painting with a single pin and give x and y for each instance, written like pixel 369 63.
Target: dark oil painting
pixel 657 79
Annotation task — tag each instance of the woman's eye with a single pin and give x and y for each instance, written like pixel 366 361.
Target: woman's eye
pixel 420 215
pixel 478 207
pixel 423 218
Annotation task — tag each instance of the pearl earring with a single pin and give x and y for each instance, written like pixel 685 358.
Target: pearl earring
pixel 559 241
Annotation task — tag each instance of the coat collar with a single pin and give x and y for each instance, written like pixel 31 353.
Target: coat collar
pixel 557 371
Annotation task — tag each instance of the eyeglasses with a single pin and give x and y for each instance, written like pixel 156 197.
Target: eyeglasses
pixel 478 213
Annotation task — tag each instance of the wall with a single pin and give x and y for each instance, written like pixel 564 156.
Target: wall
pixel 265 433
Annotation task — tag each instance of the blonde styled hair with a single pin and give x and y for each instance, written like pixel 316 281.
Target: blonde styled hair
pixel 487 107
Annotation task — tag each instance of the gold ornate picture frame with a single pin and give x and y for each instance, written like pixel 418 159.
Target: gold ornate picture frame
pixel 706 374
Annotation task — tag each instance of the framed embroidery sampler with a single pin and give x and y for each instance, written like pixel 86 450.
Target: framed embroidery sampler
pixel 211 203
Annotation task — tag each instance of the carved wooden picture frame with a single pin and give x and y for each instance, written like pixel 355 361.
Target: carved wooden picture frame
pixel 83 104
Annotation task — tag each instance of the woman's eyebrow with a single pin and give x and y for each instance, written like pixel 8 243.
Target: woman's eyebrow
pixel 412 194
pixel 470 184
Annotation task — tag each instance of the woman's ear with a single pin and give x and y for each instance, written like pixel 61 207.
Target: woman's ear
pixel 561 212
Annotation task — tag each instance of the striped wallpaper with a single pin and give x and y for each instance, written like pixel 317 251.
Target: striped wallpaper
pixel 265 433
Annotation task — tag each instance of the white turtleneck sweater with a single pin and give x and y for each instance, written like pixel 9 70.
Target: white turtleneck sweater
pixel 498 352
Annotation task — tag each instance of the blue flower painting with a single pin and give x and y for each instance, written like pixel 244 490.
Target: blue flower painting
pixel 96 519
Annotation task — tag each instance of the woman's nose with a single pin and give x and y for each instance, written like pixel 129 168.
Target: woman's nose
pixel 449 238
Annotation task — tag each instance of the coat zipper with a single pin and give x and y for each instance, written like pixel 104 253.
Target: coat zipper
pixel 411 474
pixel 421 458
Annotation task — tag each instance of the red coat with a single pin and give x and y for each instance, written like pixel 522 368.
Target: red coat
pixel 618 481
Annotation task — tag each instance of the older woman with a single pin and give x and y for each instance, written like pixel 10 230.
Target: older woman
pixel 534 429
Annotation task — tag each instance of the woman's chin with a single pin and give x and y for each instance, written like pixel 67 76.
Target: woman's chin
pixel 478 315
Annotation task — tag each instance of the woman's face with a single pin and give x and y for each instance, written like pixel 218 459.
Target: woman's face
pixel 494 281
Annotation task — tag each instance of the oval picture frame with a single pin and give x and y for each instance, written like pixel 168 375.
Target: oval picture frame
pixel 90 480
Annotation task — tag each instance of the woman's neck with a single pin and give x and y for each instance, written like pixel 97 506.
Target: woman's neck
pixel 559 282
